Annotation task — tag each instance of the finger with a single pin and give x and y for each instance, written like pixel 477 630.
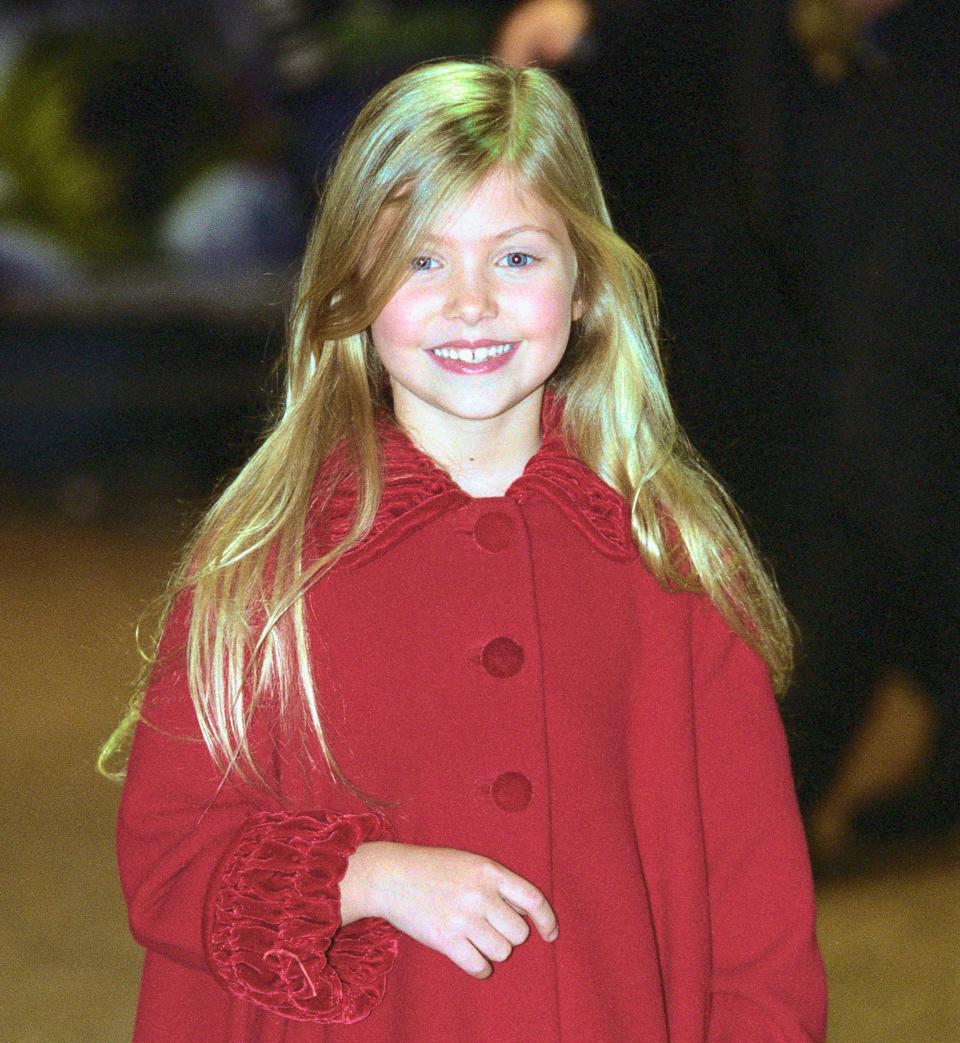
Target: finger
pixel 522 895
pixel 490 942
pixel 469 959
pixel 509 923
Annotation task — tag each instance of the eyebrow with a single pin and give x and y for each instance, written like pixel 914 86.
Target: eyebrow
pixel 442 240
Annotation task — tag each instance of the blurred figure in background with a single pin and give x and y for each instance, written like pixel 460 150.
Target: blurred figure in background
pixel 123 141
pixel 871 188
pixel 791 171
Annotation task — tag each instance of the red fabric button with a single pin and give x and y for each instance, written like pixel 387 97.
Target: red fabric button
pixel 502 657
pixel 494 531
pixel 511 791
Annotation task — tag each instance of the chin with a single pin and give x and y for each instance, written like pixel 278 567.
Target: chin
pixel 482 410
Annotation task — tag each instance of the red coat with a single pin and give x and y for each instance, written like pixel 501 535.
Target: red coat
pixel 508 676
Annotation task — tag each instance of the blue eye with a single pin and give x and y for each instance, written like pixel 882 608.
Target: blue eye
pixel 518 259
pixel 423 264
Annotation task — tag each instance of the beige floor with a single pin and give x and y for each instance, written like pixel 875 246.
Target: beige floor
pixel 69 597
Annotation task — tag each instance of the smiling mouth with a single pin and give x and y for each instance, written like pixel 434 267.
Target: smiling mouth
pixel 472 354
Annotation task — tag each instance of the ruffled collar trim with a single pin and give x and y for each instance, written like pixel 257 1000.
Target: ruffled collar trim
pixel 416 489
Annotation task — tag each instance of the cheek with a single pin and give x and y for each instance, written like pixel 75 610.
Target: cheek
pixel 549 310
pixel 398 325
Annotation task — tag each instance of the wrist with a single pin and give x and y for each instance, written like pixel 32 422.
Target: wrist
pixel 359 894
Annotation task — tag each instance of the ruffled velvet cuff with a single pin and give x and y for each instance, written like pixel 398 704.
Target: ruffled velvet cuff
pixel 272 933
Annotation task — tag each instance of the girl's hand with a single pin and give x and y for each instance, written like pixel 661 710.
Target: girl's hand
pixel 465 906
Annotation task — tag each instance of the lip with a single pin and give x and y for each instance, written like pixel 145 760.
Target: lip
pixel 470 344
pixel 488 365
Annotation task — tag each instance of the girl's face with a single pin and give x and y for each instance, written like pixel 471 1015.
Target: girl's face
pixel 484 316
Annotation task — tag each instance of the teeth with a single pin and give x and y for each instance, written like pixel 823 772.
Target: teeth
pixel 472 354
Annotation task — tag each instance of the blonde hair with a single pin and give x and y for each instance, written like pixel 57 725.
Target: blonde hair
pixel 418 145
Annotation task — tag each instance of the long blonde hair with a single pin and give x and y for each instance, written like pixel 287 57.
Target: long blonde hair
pixel 422 142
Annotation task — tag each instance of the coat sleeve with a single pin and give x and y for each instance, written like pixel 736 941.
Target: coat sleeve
pixel 768 981
pixel 223 878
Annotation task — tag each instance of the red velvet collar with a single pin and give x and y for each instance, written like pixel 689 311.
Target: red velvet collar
pixel 415 489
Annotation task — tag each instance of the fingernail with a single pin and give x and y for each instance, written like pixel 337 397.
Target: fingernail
pixel 552 936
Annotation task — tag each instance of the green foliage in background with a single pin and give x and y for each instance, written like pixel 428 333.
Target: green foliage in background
pixel 98 130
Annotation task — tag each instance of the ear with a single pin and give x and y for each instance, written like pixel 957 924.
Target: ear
pixel 576 308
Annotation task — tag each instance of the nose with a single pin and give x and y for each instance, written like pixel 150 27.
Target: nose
pixel 470 297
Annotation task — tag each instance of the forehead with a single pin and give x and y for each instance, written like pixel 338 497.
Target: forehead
pixel 499 203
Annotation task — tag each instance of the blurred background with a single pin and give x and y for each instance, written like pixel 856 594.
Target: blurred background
pixel 790 168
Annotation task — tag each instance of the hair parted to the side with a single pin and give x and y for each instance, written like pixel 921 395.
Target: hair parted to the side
pixel 419 144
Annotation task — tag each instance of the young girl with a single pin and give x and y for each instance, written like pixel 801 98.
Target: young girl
pixel 461 726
